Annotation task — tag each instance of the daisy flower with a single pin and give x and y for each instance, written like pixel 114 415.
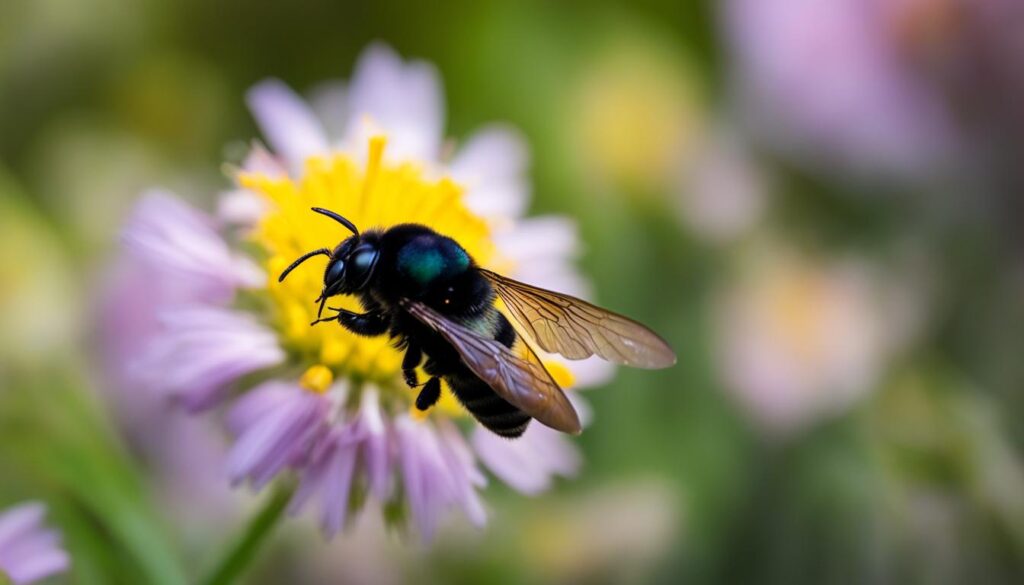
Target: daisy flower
pixel 319 402
pixel 29 551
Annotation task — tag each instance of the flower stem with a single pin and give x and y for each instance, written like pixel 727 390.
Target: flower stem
pixel 241 553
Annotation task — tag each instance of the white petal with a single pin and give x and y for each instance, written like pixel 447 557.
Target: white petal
pixel 262 161
pixel 589 372
pixel 241 207
pixel 542 250
pixel 539 238
pixel 492 167
pixel 529 463
pixel 329 101
pixel 403 99
pixel 287 121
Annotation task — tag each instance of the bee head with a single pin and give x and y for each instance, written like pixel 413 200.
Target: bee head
pixel 351 266
pixel 351 263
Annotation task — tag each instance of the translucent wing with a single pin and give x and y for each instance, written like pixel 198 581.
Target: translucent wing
pixel 522 381
pixel 577 329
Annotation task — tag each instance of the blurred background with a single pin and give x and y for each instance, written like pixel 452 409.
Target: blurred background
pixel 818 202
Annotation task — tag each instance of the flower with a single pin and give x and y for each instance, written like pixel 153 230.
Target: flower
pixel 29 551
pixel 530 464
pixel 800 340
pixel 320 402
pixel 182 246
pixel 173 259
pixel 826 81
pixel 185 454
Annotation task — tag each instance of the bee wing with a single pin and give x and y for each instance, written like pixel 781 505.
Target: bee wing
pixel 577 329
pixel 522 381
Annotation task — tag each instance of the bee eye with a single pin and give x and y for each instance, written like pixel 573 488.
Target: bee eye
pixel 335 271
pixel 361 263
pixel 364 259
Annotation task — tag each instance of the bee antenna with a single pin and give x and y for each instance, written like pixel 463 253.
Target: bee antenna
pixel 348 224
pixel 301 259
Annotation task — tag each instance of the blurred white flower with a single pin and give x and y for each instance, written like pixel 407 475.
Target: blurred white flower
pixel 799 340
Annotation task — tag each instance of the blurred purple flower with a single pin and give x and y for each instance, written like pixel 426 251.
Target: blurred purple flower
pixel 826 81
pixel 174 263
pixel 332 427
pixel 29 551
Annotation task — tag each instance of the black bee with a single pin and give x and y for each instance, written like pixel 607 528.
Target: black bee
pixel 425 291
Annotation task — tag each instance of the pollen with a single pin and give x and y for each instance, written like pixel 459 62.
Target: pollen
pixel 317 379
pixel 373 192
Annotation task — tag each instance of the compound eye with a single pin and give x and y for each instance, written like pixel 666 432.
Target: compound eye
pixel 335 272
pixel 364 259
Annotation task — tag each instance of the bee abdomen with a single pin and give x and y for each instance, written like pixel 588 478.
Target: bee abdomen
pixel 489 409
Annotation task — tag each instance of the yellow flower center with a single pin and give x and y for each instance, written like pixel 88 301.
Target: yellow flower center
pixel 317 379
pixel 799 308
pixel 377 194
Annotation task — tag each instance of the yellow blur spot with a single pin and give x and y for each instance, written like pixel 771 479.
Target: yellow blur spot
pixel 800 306
pixel 638 115
pixel 317 379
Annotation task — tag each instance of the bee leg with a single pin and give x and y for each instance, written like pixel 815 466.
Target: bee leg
pixel 369 324
pixel 429 395
pixel 412 359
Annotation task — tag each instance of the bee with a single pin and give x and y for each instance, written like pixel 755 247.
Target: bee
pixel 425 291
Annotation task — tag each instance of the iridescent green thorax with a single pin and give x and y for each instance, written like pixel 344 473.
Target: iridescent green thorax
pixel 426 259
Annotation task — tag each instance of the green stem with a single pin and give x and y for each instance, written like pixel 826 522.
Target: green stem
pixel 241 554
